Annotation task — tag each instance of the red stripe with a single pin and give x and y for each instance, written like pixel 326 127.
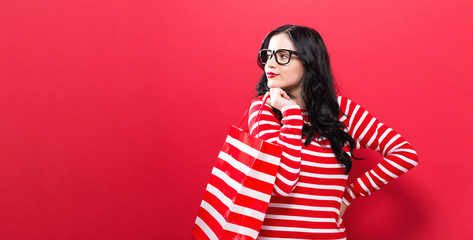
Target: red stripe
pixel 223 187
pixel 245 221
pixel 210 221
pixel 198 233
pixel 216 203
pixel 231 171
pixel 260 186
pixel 251 203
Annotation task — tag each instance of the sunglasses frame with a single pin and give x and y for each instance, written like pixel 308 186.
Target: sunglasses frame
pixel 273 53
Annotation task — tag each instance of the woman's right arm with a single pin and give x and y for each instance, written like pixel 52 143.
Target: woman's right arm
pixel 288 136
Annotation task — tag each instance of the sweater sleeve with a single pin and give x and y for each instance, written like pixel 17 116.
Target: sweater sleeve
pixel 398 155
pixel 286 134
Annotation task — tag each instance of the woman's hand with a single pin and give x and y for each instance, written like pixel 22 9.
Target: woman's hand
pixel 279 99
pixel 343 208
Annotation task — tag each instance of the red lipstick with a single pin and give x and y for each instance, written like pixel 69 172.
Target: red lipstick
pixel 271 74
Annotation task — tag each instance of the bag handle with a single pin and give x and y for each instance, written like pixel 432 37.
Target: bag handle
pixel 265 98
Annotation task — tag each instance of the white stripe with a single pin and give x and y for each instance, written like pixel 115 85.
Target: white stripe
pixel 240 188
pixel 253 152
pixel 293 117
pixel 234 163
pixel 262 123
pixel 347 107
pixel 227 179
pixel 290 169
pixel 396 165
pixel 241 230
pixel 373 137
pixel 303 207
pixel 279 191
pixel 278 238
pixel 387 172
pixel 363 186
pixel 245 169
pixel 299 218
pixel 395 148
pixel 407 150
pixel 352 117
pixel 255 113
pixel 218 194
pixel 350 192
pixel 371 181
pixel 339 101
pixel 318 154
pixel 292 136
pixel 259 102
pixel 273 140
pixel 390 142
pixel 412 162
pixel 262 176
pixel 315 143
pixel 307 230
pixel 358 145
pixel 206 229
pixel 261 133
pixel 325 176
pixel 294 147
pixel 285 180
pixel 290 157
pixel 314 197
pixel 293 126
pixel 318 186
pixel 367 128
pixel 285 108
pixel 378 177
pixel 255 194
pixel 248 212
pixel 360 121
pixel 220 219
pixel 322 165
pixel 381 139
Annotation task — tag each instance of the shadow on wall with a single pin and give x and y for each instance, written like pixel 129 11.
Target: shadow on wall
pixel 396 211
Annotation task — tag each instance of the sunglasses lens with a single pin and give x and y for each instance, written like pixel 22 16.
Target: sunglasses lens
pixel 283 56
pixel 264 56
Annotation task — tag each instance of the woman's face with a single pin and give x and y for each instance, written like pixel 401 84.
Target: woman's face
pixel 287 77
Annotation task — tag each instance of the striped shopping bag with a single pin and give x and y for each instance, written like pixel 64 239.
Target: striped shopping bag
pixel 239 188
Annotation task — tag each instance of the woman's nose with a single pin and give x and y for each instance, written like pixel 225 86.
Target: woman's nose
pixel 272 62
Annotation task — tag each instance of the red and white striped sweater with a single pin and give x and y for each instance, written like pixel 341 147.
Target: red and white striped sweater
pixel 311 185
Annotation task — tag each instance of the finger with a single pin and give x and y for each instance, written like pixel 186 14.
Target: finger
pixel 268 98
pixel 284 95
pixel 280 93
pixel 273 92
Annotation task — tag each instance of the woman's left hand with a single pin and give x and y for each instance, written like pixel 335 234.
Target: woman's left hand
pixel 343 209
pixel 279 99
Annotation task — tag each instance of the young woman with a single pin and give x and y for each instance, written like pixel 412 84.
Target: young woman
pixel 318 132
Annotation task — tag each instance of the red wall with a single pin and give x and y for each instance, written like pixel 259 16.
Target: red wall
pixel 113 112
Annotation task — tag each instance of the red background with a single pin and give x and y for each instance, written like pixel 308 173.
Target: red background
pixel 113 112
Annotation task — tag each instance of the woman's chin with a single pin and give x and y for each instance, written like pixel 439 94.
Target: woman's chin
pixel 272 85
